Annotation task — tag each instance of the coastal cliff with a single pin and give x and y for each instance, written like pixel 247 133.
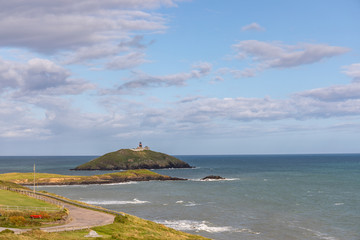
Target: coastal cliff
pixel 126 159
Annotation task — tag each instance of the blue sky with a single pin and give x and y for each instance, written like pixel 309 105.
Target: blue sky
pixel 184 77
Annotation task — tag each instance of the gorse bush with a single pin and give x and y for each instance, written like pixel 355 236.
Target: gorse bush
pixel 120 219
pixel 12 213
pixel 22 218
pixel 6 231
pixel 18 221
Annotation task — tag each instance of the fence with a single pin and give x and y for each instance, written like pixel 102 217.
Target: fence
pixel 57 201
pixel 27 208
pixel 36 196
pixel 60 202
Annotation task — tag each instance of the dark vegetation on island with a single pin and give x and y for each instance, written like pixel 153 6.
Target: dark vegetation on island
pixel 125 159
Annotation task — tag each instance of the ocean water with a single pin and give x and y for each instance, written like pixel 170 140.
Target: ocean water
pixel 295 197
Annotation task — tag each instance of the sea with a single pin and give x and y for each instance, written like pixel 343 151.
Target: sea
pixel 267 197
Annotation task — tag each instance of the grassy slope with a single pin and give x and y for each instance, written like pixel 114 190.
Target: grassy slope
pixel 46 178
pixel 128 159
pixel 17 199
pixel 132 228
pixel 12 185
pixel 128 227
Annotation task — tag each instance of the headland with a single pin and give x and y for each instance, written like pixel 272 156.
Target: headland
pixel 57 179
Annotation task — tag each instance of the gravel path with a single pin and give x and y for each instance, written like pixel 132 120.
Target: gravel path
pixel 81 218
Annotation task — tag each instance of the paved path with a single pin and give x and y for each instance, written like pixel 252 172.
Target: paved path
pixel 81 218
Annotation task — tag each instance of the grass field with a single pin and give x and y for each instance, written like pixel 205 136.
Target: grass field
pixel 47 178
pixel 130 228
pixel 16 210
pixel 16 199
pixel 29 176
pixel 126 227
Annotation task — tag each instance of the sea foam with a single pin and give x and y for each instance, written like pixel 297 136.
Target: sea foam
pixel 319 234
pixel 214 180
pixel 114 202
pixel 188 204
pixel 197 226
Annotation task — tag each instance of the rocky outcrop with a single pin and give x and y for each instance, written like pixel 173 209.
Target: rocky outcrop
pixel 213 177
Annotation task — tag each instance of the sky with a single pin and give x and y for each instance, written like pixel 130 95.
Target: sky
pixel 88 77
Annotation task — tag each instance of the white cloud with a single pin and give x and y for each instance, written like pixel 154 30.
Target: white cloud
pixel 338 92
pixel 334 93
pixel 276 55
pixel 90 53
pixel 253 27
pixel 132 50
pixel 266 109
pixel 127 61
pixel 39 76
pixel 17 120
pixel 72 24
pixel 353 70
pixel 142 80
pixel 240 109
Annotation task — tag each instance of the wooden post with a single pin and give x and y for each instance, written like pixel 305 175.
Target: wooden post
pixel 34 178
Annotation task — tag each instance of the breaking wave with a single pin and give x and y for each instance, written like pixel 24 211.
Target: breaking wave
pixel 214 180
pixel 197 226
pixel 114 202
pixel 188 204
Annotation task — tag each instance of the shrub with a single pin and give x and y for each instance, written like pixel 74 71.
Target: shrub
pixel 45 215
pixel 120 219
pixel 17 220
pixel 6 231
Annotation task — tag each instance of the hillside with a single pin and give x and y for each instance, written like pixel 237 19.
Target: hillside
pixel 125 159
pixel 124 227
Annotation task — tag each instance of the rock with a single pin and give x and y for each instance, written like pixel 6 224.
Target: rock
pixel 92 233
pixel 213 177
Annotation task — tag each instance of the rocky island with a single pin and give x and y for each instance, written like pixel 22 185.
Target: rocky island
pixel 136 158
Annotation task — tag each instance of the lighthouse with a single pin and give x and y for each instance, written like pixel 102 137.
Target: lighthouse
pixel 140 148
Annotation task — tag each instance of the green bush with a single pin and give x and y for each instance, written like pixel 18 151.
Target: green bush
pixel 120 219
pixel 6 231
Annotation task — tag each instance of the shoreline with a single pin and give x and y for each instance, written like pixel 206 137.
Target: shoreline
pixel 102 183
pixel 42 179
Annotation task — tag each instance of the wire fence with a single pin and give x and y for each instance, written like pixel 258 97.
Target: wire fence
pixel 60 205
pixel 58 201
pixel 27 208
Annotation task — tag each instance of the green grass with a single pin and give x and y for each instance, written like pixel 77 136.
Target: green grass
pixel 124 228
pixel 12 185
pixel 47 178
pixel 130 228
pixel 15 199
pixel 29 176
pixel 18 208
